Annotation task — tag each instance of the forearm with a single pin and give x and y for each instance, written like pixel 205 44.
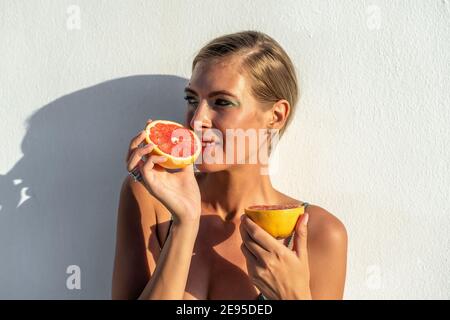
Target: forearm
pixel 169 280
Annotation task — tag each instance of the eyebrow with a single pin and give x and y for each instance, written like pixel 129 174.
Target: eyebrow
pixel 211 94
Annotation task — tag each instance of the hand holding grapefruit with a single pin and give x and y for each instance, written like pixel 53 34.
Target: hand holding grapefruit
pixel 178 191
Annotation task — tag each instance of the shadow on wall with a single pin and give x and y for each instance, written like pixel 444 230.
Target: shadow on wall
pixel 59 202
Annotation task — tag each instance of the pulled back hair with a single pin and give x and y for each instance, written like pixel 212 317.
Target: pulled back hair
pixel 268 66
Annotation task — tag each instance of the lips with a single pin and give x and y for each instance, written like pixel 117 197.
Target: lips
pixel 209 142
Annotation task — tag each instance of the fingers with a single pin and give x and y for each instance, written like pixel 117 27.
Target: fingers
pixel 136 141
pixel 134 144
pixel 189 168
pixel 255 249
pixel 251 259
pixel 149 167
pixel 301 237
pixel 154 159
pixel 259 235
pixel 137 155
pixel 254 267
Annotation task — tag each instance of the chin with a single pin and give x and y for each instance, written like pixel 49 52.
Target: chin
pixel 211 167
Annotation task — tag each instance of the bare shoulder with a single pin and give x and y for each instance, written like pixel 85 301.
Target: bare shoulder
pixel 325 229
pixel 327 251
pixel 136 197
pixel 327 254
pixel 135 193
pixel 131 187
pixel 141 209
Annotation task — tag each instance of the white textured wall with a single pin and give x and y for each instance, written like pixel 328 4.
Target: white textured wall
pixel 369 142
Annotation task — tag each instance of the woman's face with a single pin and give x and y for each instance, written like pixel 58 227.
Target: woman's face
pixel 221 108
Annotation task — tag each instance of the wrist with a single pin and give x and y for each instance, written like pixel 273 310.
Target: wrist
pixel 190 225
pixel 189 217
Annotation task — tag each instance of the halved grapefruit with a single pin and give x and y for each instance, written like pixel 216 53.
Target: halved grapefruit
pixel 277 220
pixel 178 144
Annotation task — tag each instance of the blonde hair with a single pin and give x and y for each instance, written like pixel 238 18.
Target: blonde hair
pixel 269 67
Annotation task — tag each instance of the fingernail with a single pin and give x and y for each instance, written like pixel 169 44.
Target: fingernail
pixel 305 219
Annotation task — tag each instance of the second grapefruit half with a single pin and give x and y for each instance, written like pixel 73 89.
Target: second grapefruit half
pixel 277 220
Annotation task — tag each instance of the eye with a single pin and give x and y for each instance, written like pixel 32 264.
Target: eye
pixel 223 103
pixel 191 100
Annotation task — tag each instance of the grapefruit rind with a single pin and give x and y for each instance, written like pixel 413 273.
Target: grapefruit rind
pixel 279 223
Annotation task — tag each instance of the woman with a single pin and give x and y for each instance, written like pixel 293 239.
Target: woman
pixel 184 235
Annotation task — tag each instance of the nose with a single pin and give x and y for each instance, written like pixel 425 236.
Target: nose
pixel 201 118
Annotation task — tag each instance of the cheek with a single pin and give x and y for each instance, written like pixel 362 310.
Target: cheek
pixel 231 120
pixel 237 119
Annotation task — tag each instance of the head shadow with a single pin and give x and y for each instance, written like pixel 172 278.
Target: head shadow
pixel 58 203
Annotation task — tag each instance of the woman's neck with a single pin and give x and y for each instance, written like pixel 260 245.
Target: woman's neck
pixel 228 192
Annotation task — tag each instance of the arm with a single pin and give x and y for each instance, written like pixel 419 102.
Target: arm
pixel 170 277
pixel 138 253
